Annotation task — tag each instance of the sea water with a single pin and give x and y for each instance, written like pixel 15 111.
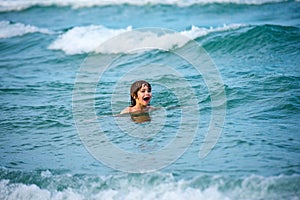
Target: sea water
pixel 255 48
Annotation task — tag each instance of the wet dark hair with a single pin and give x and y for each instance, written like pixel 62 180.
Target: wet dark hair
pixel 135 88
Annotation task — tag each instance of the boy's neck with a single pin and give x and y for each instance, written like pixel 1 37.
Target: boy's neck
pixel 140 107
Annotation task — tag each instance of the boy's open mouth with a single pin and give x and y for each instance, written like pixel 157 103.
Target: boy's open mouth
pixel 146 98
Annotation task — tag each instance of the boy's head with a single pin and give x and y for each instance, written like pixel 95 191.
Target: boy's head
pixel 135 87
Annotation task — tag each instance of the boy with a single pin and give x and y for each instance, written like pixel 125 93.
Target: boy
pixel 140 93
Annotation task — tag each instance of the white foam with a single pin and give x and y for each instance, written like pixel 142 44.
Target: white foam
pixel 196 32
pixel 17 5
pixel 46 174
pixel 127 187
pixel 84 39
pixel 141 41
pixel 8 29
pixel 91 39
pixel 163 191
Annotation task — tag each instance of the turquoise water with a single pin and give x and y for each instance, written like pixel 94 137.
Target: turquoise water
pixel 255 47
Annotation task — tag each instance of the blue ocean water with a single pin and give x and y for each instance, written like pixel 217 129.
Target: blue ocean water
pixel 255 46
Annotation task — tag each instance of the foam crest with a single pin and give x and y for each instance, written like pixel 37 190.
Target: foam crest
pixel 92 39
pixel 163 191
pixel 80 40
pixel 17 5
pixel 9 29
pixel 196 32
pixel 153 186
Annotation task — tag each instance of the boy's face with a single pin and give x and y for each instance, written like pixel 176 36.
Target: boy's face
pixel 144 96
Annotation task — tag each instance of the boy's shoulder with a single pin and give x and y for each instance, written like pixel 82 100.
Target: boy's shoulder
pixel 126 110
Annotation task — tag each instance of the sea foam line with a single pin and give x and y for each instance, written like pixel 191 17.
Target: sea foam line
pixel 9 29
pixel 87 39
pixel 151 186
pixel 18 5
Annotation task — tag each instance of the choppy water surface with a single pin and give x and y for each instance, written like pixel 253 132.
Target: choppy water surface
pixel 255 46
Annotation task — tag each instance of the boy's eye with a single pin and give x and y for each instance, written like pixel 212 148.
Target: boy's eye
pixel 143 91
